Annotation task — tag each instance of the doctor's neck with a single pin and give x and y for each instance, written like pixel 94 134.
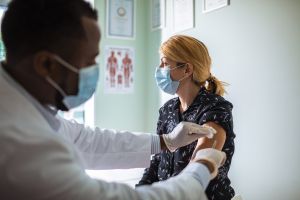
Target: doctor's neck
pixel 27 78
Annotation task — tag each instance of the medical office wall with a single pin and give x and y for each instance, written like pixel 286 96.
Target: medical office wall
pixel 255 47
pixel 136 110
pixel 3 7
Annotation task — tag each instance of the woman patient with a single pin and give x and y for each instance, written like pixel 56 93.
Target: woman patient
pixel 185 70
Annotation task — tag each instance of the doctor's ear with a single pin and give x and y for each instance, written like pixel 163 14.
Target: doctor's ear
pixel 44 64
pixel 189 69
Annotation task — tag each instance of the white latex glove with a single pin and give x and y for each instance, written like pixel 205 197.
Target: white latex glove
pixel 213 157
pixel 185 133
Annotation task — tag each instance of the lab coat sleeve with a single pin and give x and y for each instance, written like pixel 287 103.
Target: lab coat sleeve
pixel 108 149
pixel 46 169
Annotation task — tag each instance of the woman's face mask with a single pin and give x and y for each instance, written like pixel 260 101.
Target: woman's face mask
pixel 88 78
pixel 164 81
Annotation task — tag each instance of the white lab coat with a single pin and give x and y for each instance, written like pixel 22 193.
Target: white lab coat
pixel 36 164
pixel 107 149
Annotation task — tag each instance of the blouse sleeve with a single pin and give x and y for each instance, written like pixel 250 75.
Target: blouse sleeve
pixel 220 113
pixel 150 174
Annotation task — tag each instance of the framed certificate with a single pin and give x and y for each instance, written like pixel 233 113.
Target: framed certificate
pixel 120 17
pixel 183 11
pixel 157 14
pixel 210 5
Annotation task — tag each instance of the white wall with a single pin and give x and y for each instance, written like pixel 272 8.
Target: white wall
pixel 255 46
pixel 260 58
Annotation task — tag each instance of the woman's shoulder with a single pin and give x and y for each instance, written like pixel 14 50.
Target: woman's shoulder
pixel 206 97
pixel 170 104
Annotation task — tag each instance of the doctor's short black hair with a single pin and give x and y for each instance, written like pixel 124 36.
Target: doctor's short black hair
pixel 29 26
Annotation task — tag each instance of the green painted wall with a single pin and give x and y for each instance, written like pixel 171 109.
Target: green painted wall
pixel 153 60
pixel 136 111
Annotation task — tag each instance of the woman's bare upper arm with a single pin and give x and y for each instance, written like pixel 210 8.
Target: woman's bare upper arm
pixel 217 142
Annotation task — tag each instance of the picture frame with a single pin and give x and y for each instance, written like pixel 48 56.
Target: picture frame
pixel 211 5
pixel 183 15
pixel 158 16
pixel 120 69
pixel 120 19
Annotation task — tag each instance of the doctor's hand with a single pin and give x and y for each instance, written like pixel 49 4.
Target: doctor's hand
pixel 211 158
pixel 185 133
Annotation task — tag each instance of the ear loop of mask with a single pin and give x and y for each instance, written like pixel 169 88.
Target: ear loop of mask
pixel 65 64
pixel 56 86
pixel 177 67
pixel 184 76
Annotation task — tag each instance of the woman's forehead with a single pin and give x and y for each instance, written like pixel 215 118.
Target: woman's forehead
pixel 165 59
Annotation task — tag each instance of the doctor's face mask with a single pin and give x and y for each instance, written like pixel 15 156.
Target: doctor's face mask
pixel 87 83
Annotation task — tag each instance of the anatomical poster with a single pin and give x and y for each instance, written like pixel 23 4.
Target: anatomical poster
pixel 119 69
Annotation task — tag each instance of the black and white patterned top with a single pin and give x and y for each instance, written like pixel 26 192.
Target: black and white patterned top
pixel 206 107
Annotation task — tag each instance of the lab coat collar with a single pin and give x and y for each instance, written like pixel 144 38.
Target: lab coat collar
pixel 46 112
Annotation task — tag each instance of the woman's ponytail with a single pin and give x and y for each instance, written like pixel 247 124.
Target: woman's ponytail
pixel 216 86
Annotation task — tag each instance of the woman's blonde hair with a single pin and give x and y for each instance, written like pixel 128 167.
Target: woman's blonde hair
pixel 186 49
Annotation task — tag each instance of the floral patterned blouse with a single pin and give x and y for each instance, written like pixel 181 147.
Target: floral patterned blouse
pixel 206 107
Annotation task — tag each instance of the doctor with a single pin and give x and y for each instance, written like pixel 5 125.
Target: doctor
pixel 51 48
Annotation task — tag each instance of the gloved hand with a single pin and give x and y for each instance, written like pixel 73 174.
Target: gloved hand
pixel 185 133
pixel 212 158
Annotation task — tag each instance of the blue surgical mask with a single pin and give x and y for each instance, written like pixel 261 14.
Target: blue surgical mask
pixel 88 78
pixel 164 81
